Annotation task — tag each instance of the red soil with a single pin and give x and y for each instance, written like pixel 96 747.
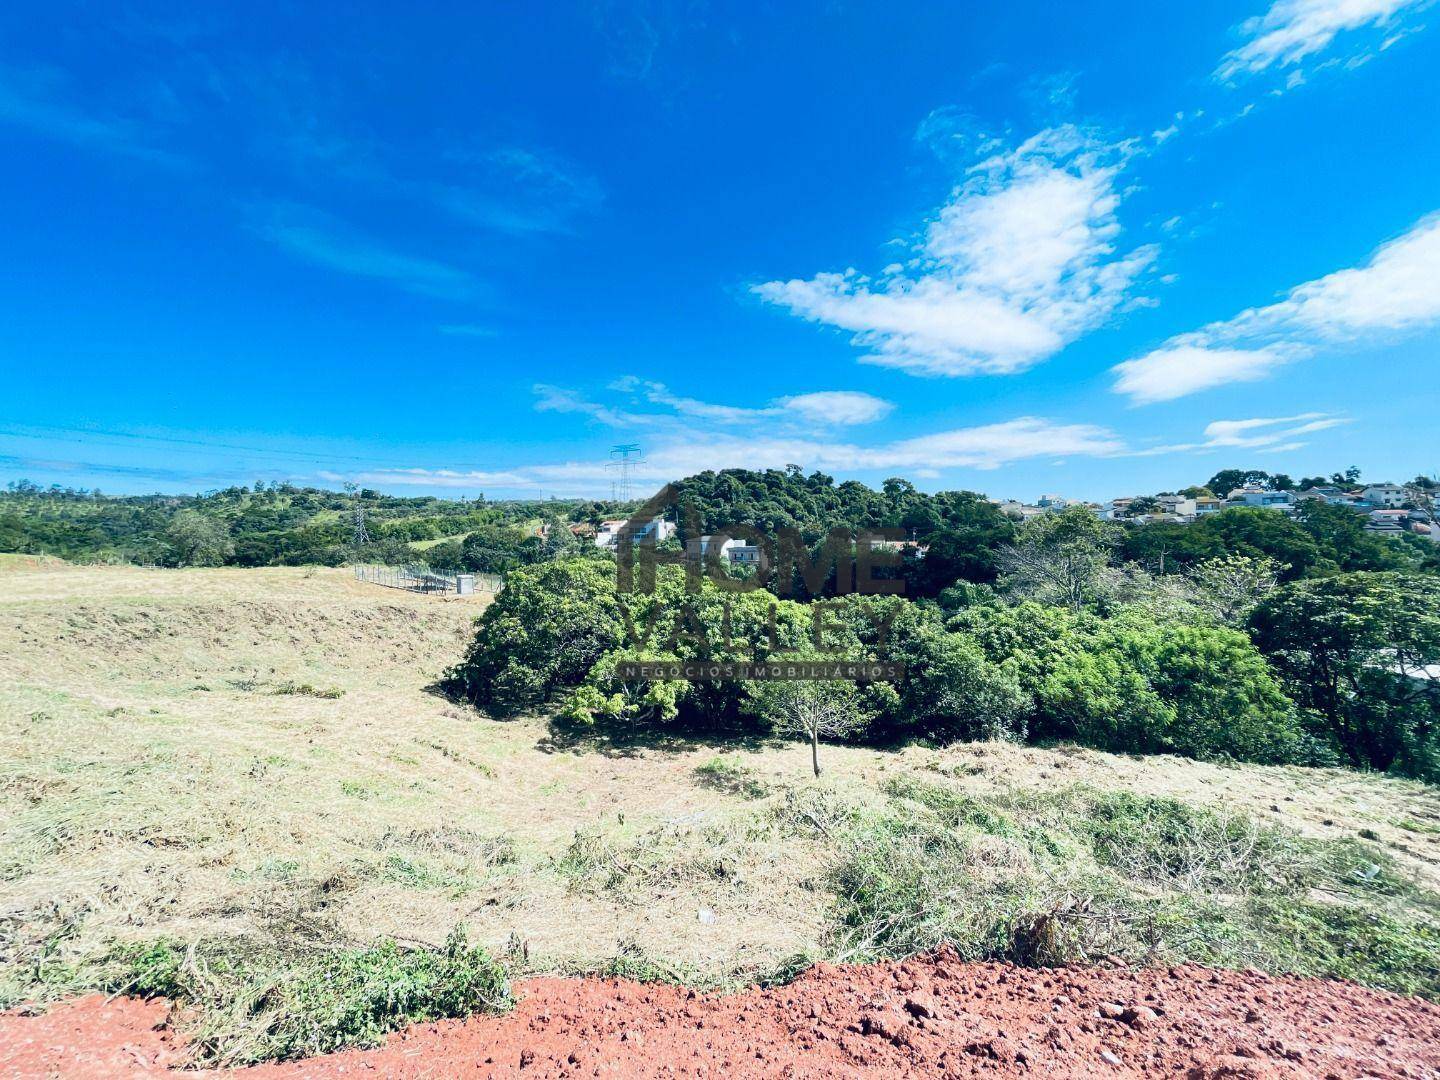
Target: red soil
pixel 927 1017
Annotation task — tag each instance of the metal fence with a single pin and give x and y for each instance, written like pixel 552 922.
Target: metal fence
pixel 417 577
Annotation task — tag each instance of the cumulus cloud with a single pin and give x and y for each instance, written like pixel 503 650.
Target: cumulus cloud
pixel 1393 293
pixel 1018 263
pixel 1293 30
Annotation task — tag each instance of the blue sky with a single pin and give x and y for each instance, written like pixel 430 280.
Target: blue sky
pixel 1019 248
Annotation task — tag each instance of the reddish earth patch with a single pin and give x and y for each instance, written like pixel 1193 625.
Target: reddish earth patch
pixel 927 1017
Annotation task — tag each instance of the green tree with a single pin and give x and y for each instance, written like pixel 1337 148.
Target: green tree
pixel 1227 480
pixel 198 539
pixel 951 690
pixel 1060 558
pixel 1354 650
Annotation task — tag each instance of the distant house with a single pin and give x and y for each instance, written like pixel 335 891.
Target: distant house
pixel 1015 509
pixel 1182 507
pixel 1384 496
pixel 1388 522
pixel 656 530
pixel 1116 509
pixel 1326 493
pixel 1055 503
pixel 905 547
pixel 1258 496
pixel 735 552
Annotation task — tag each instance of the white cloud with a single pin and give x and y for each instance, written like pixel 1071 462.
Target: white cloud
pixel 1270 434
pixel 1267 431
pixel 1295 29
pixel 838 407
pixel 41 100
pixel 1186 366
pixel 1020 261
pixel 1393 293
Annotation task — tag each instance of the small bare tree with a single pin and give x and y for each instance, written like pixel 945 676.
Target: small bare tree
pixel 1232 586
pixel 1060 558
pixel 810 708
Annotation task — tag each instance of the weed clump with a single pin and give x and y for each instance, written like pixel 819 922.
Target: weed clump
pixel 1050 878
pixel 722 774
pixel 251 1003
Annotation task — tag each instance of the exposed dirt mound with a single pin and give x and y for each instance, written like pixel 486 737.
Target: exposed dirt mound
pixel 932 1017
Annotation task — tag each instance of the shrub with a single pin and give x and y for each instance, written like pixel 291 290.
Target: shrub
pixel 545 630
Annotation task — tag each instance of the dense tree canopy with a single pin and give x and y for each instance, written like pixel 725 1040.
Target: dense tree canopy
pixel 1353 650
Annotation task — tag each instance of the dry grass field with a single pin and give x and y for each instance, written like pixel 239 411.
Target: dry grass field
pixel 201 753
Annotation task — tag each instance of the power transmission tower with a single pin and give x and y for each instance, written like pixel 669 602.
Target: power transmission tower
pixel 623 458
pixel 361 536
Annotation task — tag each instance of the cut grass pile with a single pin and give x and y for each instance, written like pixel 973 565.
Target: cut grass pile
pixel 245 1002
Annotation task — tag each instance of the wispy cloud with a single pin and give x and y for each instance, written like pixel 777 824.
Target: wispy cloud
pixel 472 330
pixel 819 409
pixel 1272 434
pixel 1394 292
pixel 317 238
pixel 1293 30
pixel 985 447
pixel 42 101
pixel 1019 263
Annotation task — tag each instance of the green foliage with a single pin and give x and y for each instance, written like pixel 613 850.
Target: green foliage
pixel 197 540
pixel 544 631
pixel 963 530
pixel 278 524
pixel 495 549
pixel 1132 683
pixel 731 777
pixel 1351 649
pixel 952 690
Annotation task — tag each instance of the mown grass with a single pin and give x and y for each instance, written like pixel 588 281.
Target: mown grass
pixel 245 1002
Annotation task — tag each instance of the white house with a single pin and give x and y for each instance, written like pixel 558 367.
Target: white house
pixel 1258 496
pixel 657 530
pixel 1384 496
pixel 736 552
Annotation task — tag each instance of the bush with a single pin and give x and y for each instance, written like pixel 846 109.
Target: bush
pixel 1352 649
pixel 1134 683
pixel 545 630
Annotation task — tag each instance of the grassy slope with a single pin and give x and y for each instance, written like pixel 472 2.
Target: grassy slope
pixel 208 754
